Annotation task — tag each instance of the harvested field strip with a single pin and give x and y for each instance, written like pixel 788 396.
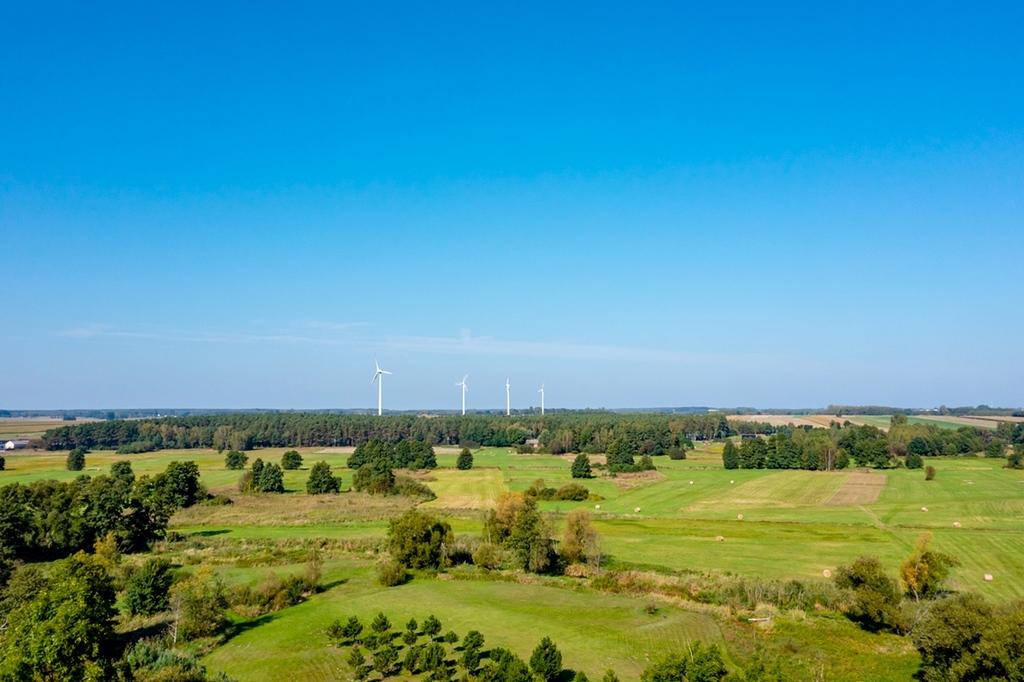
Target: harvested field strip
pixel 859 488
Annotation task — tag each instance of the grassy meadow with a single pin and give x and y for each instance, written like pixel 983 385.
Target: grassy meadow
pixel 690 516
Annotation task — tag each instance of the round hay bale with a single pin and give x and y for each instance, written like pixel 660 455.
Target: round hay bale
pixel 827 573
pixel 739 517
pixel 636 510
pixel 691 482
pixel 924 509
pixel 989 578
pixel 597 506
pixel 956 524
pixel 732 481
pixel 719 538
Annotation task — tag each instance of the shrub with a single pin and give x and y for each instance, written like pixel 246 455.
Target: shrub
pixel 949 631
pixel 730 455
pixel 926 570
pixel 320 480
pixel 1015 460
pixel 235 459
pixel 374 478
pixel 418 540
pixel 581 467
pixel 487 555
pixel 198 605
pixel 380 623
pixel 431 626
pixel 465 460
pixel 546 660
pixel 271 479
pixel 122 471
pixel 572 491
pixel 146 590
pixel 646 464
pixel 914 461
pixel 276 592
pixel 76 459
pixel 929 473
pixel 525 449
pixel 291 460
pixel 995 449
pixel 391 573
pixel 3 463
pixel 580 539
pixel 876 597
pixel 700 664
pixel 677 454
pixel 410 487
pixel 540 491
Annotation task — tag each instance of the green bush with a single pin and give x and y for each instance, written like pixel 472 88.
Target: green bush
pixel 581 467
pixel 487 555
pixel 913 461
pixel 876 596
pixel 146 590
pixel 730 455
pixel 391 573
pixel 375 478
pixel 76 459
pixel 418 540
pixel 410 487
pixel 271 479
pixel 3 463
pixel 572 491
pixel 235 459
pixel 700 664
pixel 291 460
pixel 465 460
pixel 321 481
pixel 546 660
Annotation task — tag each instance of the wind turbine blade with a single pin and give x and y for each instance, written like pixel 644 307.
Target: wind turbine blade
pixel 384 371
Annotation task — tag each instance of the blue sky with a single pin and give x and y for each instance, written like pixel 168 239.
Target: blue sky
pixel 243 205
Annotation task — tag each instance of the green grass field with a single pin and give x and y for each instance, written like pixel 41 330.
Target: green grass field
pixel 795 524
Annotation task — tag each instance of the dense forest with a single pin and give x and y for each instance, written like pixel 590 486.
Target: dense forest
pixel 558 433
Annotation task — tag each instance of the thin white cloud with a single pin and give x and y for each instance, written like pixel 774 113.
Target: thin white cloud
pixel 94 331
pixel 465 343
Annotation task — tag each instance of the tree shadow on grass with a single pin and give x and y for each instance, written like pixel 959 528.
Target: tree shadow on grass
pixel 236 629
pixel 210 533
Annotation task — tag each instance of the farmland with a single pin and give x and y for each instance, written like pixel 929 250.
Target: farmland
pixel 681 521
pixel 879 421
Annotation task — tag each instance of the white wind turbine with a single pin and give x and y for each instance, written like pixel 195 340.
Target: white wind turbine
pixel 508 403
pixel 541 391
pixel 464 389
pixel 378 376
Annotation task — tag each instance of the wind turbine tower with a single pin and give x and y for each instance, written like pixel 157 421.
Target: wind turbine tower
pixel 541 391
pixel 508 403
pixel 464 389
pixel 378 376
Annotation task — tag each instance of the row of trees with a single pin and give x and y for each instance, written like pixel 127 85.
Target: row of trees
pixel 568 432
pixel 421 651
pixel 866 446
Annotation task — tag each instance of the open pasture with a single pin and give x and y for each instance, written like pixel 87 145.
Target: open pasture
pixel 680 520
pixel 31 427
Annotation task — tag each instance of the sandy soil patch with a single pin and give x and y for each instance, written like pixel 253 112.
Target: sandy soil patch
pixel 858 488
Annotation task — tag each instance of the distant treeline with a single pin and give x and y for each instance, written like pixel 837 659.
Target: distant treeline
pixel 804 447
pixel 565 432
pixel 876 410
